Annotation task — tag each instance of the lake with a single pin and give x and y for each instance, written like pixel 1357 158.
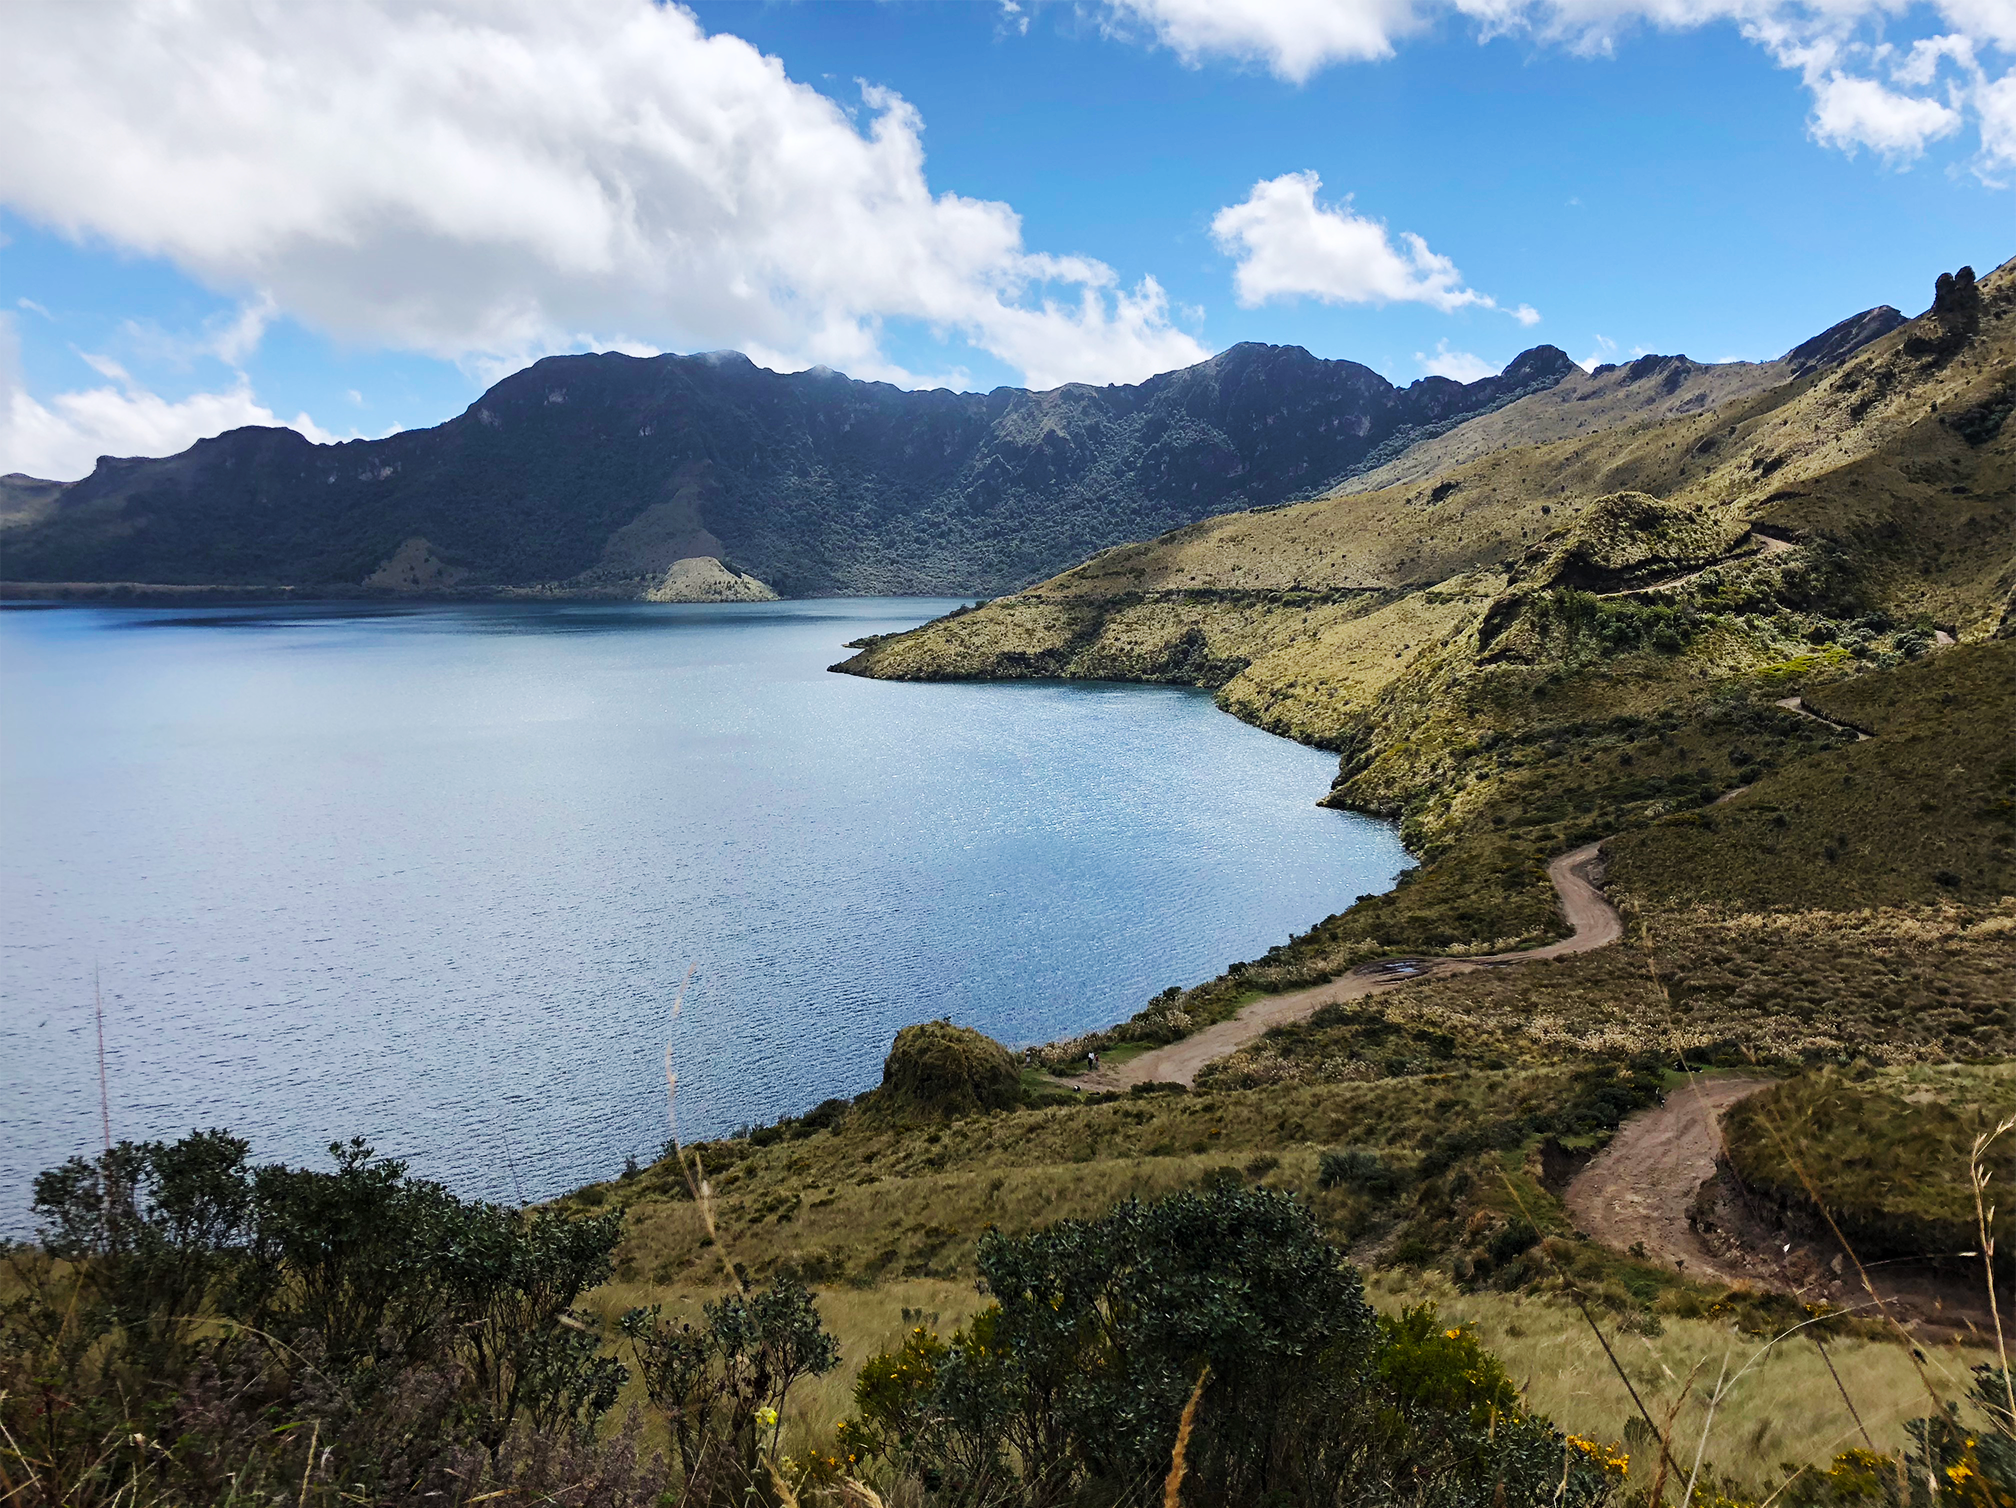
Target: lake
pixel 433 875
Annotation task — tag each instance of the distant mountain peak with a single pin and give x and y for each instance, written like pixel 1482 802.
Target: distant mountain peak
pixel 594 474
pixel 1838 342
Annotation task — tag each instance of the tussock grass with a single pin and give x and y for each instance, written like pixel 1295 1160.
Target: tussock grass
pixel 1898 984
pixel 863 1204
pixel 1887 1153
pixel 1926 810
pixel 1786 1410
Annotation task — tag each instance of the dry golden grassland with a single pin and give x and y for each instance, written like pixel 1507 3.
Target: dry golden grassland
pixel 1786 1408
pixel 862 1204
pixel 1908 984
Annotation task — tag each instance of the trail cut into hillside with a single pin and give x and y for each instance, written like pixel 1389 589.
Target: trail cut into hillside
pixel 1638 1192
pixel 1592 921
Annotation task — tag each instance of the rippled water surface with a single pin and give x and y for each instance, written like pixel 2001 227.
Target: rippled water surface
pixel 434 876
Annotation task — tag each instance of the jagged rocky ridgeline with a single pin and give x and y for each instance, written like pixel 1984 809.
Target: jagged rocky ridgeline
pixel 710 478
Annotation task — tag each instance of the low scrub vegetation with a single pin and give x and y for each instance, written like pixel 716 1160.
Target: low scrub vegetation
pixel 1882 1158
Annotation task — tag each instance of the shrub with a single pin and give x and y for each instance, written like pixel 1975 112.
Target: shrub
pixel 937 1070
pixel 1071 1386
pixel 1363 1172
pixel 722 1385
pixel 219 1317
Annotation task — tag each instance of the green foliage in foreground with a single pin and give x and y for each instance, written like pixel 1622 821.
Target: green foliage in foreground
pixel 721 1385
pixel 193 1329
pixel 1073 1386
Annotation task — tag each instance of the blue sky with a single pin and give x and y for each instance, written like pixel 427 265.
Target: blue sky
pixel 353 217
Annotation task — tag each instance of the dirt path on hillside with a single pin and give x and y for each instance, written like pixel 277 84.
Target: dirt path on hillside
pixel 1795 704
pixel 1592 921
pixel 1657 1187
pixel 1766 545
pixel 1640 1187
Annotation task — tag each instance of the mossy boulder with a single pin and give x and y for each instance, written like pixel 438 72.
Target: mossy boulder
pixel 937 1070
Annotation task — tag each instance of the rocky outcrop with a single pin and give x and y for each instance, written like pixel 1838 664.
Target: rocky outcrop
pixel 1955 317
pixel 705 579
pixel 1837 343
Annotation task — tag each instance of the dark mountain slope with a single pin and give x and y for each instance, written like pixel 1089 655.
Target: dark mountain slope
pixel 597 472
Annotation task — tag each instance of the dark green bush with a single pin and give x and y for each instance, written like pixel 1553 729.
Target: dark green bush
pixel 1363 1172
pixel 225 1316
pixel 721 1385
pixel 1071 1386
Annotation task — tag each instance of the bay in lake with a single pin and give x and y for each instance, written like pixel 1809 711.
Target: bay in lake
pixel 433 876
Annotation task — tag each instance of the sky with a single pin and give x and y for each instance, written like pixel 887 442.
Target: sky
pixel 353 217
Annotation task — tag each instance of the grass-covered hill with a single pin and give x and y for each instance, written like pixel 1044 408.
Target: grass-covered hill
pixel 1593 637
pixel 596 473
pixel 1765 650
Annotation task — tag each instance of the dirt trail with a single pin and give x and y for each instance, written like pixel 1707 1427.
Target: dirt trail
pixel 1657 1186
pixel 1766 545
pixel 1794 704
pixel 1639 1188
pixel 1593 923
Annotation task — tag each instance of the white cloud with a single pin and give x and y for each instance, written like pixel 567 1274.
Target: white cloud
pixel 1293 38
pixel 1460 365
pixel 1606 351
pixel 1821 39
pixel 494 179
pixel 62 439
pixel 1851 112
pixel 1997 104
pixel 1289 246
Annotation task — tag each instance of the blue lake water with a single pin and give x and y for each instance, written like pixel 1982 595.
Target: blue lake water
pixel 433 876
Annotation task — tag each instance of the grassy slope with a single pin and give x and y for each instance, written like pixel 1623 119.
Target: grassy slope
pixel 1629 396
pixel 1436 637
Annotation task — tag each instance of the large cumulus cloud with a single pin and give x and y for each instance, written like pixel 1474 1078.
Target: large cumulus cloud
pixel 490 179
pixel 1867 90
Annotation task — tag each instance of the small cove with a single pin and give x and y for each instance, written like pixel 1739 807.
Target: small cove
pixel 433 875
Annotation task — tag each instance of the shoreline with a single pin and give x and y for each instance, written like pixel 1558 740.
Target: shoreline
pixel 85 593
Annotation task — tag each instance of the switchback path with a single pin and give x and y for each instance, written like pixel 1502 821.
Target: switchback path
pixel 1593 923
pixel 1639 1187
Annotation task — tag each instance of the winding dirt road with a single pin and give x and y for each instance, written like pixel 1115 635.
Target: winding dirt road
pixel 1639 1187
pixel 1593 923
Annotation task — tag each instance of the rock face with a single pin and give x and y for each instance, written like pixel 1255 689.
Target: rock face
pixel 1838 342
pixel 937 1070
pixel 597 474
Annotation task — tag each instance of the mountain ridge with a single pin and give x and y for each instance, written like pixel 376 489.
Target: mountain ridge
pixel 592 475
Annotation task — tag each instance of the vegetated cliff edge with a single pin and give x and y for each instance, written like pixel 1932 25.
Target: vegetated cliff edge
pixel 594 475
pixel 1461 639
